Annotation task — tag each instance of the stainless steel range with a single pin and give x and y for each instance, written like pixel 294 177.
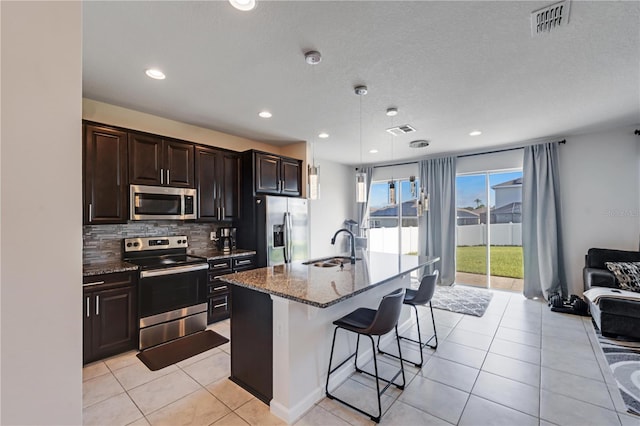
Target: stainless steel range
pixel 172 289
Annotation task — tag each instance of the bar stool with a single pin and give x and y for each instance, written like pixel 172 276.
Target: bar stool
pixel 371 322
pixel 422 296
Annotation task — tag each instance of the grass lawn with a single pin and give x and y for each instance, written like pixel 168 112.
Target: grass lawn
pixel 506 261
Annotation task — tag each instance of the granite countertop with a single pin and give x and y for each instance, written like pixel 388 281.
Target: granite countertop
pixel 214 254
pixel 325 286
pixel 110 267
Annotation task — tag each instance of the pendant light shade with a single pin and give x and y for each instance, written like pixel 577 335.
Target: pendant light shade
pixel 361 187
pixel 314 182
pixel 392 192
pixel 361 177
pixel 413 186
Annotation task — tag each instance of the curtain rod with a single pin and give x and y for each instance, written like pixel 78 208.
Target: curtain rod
pixel 563 141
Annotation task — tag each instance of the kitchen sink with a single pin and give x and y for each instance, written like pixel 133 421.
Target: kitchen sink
pixel 329 262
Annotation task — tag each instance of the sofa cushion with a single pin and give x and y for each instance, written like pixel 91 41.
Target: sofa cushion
pixel 597 257
pixel 627 274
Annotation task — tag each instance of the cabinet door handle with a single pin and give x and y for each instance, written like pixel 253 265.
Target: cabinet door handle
pixel 282 185
pixel 224 287
pixel 168 181
pixel 94 283
pixel 88 298
pixel 243 262
pixel 90 212
pixel 220 305
pixel 222 215
pixel 161 176
pixel 97 305
pixel 220 265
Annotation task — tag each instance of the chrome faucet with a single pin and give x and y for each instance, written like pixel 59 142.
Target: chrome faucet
pixel 352 239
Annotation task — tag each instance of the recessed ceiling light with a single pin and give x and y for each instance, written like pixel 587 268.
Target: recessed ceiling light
pixel 373 151
pixel 154 73
pixel 243 5
pixel 323 135
pixel 265 114
pixel 392 112
pixel 475 133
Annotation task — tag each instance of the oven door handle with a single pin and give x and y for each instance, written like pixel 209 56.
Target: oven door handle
pixel 173 270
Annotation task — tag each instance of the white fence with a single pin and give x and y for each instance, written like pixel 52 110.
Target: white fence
pixel 502 234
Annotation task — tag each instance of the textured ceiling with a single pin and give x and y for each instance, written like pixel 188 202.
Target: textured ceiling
pixel 449 67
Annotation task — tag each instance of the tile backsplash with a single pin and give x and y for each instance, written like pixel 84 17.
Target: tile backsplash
pixel 102 243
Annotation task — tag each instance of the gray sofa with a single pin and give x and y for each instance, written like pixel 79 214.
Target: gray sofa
pixel 614 317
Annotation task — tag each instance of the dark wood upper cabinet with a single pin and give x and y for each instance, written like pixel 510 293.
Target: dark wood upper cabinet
pixel 230 176
pixel 157 161
pixel 291 176
pixel 218 184
pixel 274 174
pixel 178 163
pixel 105 175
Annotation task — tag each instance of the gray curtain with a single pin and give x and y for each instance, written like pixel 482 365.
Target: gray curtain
pixel 437 227
pixel 544 273
pixel 363 208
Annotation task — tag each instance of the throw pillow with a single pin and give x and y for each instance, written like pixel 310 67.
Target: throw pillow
pixel 627 274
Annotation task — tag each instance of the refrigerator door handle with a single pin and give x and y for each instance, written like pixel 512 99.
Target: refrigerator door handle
pixel 288 245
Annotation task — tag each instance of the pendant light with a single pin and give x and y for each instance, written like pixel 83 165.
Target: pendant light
pixel 361 176
pixel 313 176
pixel 313 57
pixel 392 112
pixel 413 186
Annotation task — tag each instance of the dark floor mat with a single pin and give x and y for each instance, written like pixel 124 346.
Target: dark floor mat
pixel 180 349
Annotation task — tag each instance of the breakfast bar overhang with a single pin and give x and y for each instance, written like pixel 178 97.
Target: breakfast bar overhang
pixel 282 316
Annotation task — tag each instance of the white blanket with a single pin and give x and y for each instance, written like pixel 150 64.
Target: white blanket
pixel 594 294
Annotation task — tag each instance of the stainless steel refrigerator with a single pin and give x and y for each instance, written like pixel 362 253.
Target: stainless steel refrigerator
pixel 281 229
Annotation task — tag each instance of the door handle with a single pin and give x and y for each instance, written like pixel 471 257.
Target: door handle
pixel 161 176
pixel 88 298
pixel 97 305
pixel 168 181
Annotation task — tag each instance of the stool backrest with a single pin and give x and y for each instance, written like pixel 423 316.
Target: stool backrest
pixel 388 313
pixel 426 289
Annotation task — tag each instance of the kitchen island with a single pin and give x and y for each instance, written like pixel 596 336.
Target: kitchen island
pixel 282 316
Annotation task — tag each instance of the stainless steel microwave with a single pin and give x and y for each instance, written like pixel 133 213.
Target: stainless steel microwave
pixel 162 203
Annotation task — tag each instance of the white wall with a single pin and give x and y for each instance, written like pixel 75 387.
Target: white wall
pixel 336 203
pixel 600 177
pixel 41 180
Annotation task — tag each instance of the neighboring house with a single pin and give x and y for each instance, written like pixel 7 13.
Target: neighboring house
pixel 508 192
pixel 388 216
pixel 508 202
pixel 467 217
pixel 510 213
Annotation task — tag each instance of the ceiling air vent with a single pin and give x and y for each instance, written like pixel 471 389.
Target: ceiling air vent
pixel 548 18
pixel 420 143
pixel 401 130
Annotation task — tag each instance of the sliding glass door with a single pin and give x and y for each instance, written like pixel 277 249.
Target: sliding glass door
pixel 489 230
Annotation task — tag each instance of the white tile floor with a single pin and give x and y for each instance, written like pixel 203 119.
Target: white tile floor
pixel 519 364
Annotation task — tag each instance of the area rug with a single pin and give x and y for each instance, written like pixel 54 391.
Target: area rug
pixel 180 349
pixel 464 300
pixel 623 357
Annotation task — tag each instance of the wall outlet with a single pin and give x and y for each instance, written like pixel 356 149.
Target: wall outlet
pixel 212 235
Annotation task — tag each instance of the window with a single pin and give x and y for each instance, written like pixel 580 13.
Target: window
pixel 393 228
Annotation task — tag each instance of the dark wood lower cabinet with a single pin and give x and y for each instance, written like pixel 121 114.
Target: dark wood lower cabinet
pixel 109 315
pixel 252 342
pixel 219 293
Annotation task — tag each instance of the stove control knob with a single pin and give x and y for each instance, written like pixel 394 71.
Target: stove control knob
pixel 179 241
pixel 129 244
pixel 136 244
